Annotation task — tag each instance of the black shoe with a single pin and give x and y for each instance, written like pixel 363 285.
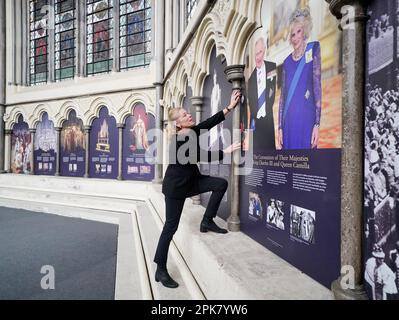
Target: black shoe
pixel 162 275
pixel 210 225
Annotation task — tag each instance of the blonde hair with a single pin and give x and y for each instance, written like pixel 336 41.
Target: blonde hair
pixel 302 17
pixel 173 115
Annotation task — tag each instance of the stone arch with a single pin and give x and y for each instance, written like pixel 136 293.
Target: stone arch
pixel 37 115
pixel 133 99
pixel 167 100
pixel 63 114
pixel 94 110
pixel 244 21
pixel 203 47
pixel 12 118
pixel 181 76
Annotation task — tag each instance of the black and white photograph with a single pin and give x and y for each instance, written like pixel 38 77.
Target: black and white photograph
pixel 255 210
pixel 380 34
pixel 275 214
pixel 381 281
pixel 302 224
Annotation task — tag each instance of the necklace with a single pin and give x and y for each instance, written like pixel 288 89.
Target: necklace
pixel 298 56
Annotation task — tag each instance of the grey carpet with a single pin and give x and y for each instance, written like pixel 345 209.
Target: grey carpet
pixel 83 254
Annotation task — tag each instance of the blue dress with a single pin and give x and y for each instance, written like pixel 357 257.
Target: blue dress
pixel 299 115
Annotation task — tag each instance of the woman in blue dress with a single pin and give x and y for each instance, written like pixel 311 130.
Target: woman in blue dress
pixel 300 101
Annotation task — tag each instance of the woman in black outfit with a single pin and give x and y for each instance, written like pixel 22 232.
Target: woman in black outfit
pixel 183 179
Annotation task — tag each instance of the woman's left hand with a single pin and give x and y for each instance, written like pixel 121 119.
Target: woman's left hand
pixel 230 149
pixel 315 137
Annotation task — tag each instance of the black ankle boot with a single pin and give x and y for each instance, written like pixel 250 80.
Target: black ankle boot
pixel 210 225
pixel 162 275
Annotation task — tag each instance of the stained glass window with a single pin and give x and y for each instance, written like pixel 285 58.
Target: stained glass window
pixel 191 5
pixel 38 64
pixel 135 33
pixel 65 22
pixel 99 36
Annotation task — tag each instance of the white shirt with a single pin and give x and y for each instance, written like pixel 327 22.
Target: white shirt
pixel 396 166
pixel 261 82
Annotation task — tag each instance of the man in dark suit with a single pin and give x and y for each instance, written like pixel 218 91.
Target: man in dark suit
pixel 261 95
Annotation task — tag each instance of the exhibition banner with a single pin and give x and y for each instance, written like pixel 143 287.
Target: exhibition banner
pixel 73 147
pixel 45 143
pixel 104 144
pixel 291 126
pixel 381 165
pixel 217 94
pixel 21 148
pixel 137 164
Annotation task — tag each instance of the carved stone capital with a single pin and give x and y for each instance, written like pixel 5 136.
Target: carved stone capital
pixel 235 74
pixel 197 101
pixel 356 9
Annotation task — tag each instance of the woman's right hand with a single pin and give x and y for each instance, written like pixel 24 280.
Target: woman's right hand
pixel 230 149
pixel 280 138
pixel 235 98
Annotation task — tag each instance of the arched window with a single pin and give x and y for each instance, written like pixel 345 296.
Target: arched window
pixel 65 26
pixel 99 36
pixel 38 19
pixel 135 33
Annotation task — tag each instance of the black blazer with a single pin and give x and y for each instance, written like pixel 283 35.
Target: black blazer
pixel 181 177
pixel 264 136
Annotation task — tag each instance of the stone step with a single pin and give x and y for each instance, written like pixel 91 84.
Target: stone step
pixel 150 231
pixel 110 188
pixel 73 199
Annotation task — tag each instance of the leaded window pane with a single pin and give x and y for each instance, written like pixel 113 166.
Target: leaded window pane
pixel 99 36
pixel 135 23
pixel 38 10
pixel 65 39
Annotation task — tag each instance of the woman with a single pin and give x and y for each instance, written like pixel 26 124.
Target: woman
pixel 300 101
pixel 183 180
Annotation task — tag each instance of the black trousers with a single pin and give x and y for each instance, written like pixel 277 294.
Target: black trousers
pixel 174 208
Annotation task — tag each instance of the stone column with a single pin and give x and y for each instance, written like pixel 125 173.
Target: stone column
pixel 18 41
pixel 158 177
pixel 182 19
pixel 2 139
pixel 120 126
pixel 25 43
pixel 168 24
pixel 115 32
pixel 81 48
pixel 7 151
pixel 32 132
pixel 197 102
pixel 235 74
pixel 2 81
pixel 175 24
pixel 352 174
pixel 87 159
pixel 51 43
pixel 159 75
pixel 58 152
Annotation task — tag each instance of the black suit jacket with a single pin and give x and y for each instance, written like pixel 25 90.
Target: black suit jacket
pixel 181 177
pixel 264 137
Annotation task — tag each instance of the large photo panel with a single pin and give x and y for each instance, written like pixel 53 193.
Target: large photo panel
pixel 104 144
pixel 381 165
pixel 217 93
pixel 290 203
pixel 138 164
pixel 45 153
pixel 21 148
pixel 73 147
